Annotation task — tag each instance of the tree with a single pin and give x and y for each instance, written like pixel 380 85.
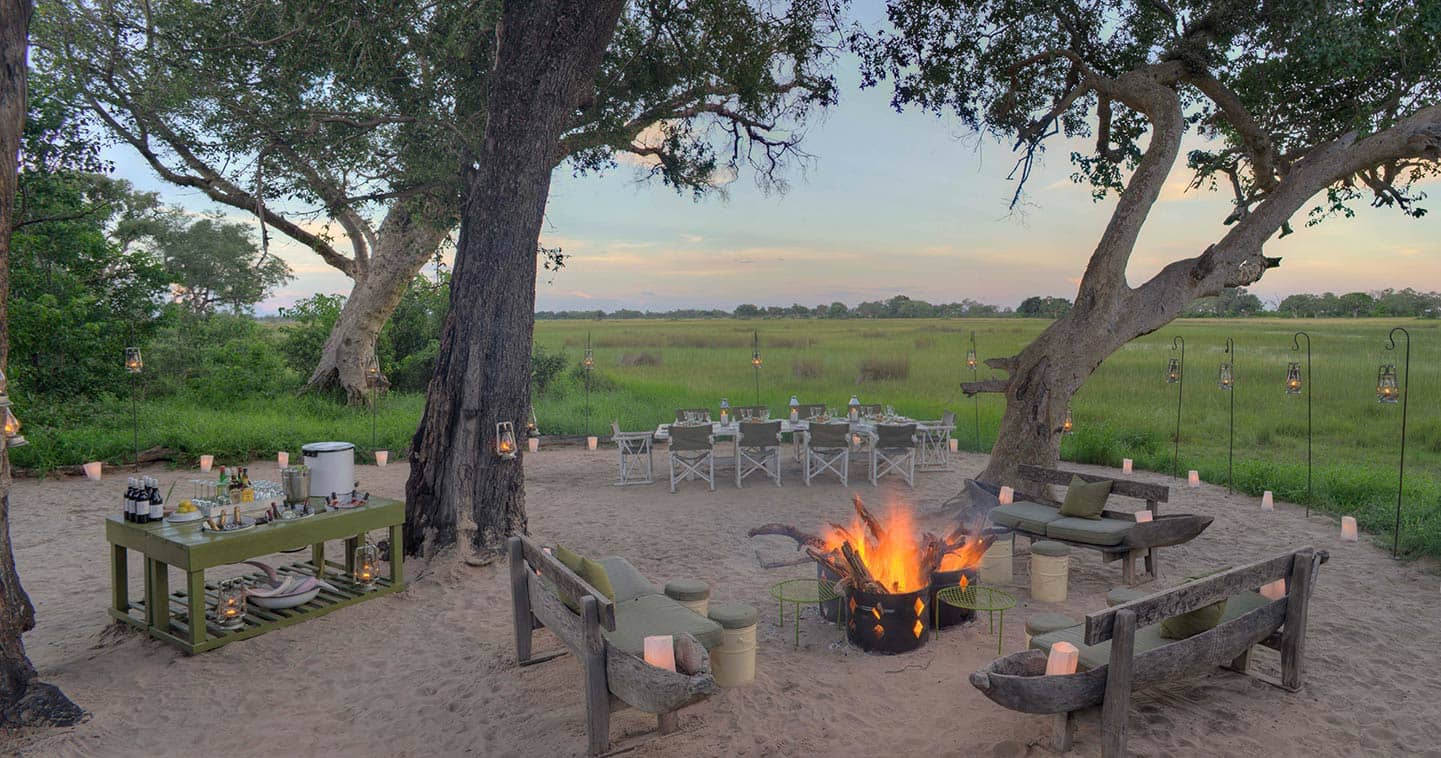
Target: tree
pixel 357 114
pixel 546 58
pixel 747 310
pixel 1292 99
pixel 214 262
pixel 838 310
pixel 24 701
pixel 1357 304
pixel 1037 306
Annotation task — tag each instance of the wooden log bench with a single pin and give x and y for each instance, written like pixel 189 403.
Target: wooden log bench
pixel 1116 535
pixel 1121 648
pixel 614 678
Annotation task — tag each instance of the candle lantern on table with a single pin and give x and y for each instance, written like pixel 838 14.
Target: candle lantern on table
pixel 505 440
pixel 133 365
pixel 230 605
pixel 795 409
pixel 366 565
pixel 854 407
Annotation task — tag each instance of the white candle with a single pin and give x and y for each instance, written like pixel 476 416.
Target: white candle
pixel 1007 495
pixel 533 443
pixel 955 445
pixel 1125 465
pixel 590 442
pixel 1062 659
pixel 1348 529
pixel 282 459
pixel 1194 478
pixel 206 461
pixel 1268 503
pixel 1274 590
pixel 92 470
pixel 382 457
pixel 1142 516
pixel 660 651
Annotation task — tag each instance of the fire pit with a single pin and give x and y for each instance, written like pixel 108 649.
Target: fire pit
pixel 888 622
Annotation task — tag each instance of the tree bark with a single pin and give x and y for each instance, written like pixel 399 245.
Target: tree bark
pixel 547 56
pixel 23 700
pixel 408 237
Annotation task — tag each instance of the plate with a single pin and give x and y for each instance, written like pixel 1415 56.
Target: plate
pixel 246 522
pixel 184 518
pixel 283 601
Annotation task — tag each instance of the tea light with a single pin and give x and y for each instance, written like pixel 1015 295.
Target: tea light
pixel 1007 495
pixel 590 442
pixel 1194 478
pixel 282 459
pixel 1268 503
pixel 1063 659
pixel 382 457
pixel 92 470
pixel 206 461
pixel 533 444
pixel 955 445
pixel 1142 516
pixel 1125 465
pixel 230 605
pixel 1274 590
pixel 1348 529
pixel 366 566
pixel 660 651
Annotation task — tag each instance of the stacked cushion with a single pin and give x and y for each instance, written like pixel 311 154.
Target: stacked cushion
pixel 650 615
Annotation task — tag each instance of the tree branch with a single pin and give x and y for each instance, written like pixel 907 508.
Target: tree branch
pixel 986 385
pixel 1260 148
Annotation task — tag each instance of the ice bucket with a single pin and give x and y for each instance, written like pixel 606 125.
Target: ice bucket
pixel 295 480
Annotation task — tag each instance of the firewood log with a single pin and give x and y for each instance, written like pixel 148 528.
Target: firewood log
pixel 830 560
pixel 860 576
pixel 802 539
pixel 871 523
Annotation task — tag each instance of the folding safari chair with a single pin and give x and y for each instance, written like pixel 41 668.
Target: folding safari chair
pixel 759 449
pixel 935 441
pixel 828 448
pixel 691 448
pixel 637 457
pixel 893 448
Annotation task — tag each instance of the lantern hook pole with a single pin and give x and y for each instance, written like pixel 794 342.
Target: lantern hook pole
pixel 1231 446
pixel 976 398
pixel 1179 342
pixel 1401 463
pixel 1310 378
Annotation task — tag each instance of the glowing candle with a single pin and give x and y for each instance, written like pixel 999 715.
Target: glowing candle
pixel 1348 529
pixel 1063 659
pixel 206 461
pixel 1194 478
pixel 660 651
pixel 1268 503
pixel 1125 465
pixel 282 459
pixel 1142 516
pixel 590 442
pixel 382 457
pixel 533 443
pixel 1274 590
pixel 955 445
pixel 1007 495
pixel 92 470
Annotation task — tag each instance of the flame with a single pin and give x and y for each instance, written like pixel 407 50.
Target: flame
pixel 968 556
pixel 895 561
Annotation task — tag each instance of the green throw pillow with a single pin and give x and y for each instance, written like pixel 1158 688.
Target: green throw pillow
pixel 575 562
pixel 594 574
pixel 1085 500
pixel 1192 623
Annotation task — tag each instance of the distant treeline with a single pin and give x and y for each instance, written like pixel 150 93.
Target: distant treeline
pixel 1233 303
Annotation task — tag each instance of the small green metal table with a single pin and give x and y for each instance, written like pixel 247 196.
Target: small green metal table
pixel 979 599
pixel 179 618
pixel 802 592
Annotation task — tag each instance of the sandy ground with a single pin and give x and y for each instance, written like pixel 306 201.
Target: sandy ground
pixel 432 671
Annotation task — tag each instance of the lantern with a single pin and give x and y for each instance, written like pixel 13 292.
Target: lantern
pixel 756 358
pixel 855 408
pixel 1068 425
pixel 1144 515
pixel 1293 379
pixel 970 359
pixel 92 470
pixel 206 461
pixel 382 457
pixel 133 363
pixel 282 459
pixel 505 440
pixel 1274 590
pixel 725 411
pixel 660 651
pixel 1173 371
pixel 1006 496
pixel 1348 529
pixel 12 429
pixel 1193 478
pixel 588 362
pixel 955 445
pixel 795 409
pixel 1226 380
pixel 366 565
pixel 1127 465
pixel 1387 390
pixel 230 605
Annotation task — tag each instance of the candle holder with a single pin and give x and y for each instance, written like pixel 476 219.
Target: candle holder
pixel 230 605
pixel 1068 425
pixel 207 462
pixel 505 440
pixel 1388 392
pixel 366 565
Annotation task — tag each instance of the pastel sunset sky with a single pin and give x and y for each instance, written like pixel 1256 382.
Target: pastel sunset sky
pixel 890 204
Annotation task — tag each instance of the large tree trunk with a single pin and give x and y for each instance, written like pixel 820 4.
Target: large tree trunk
pixel 547 56
pixel 408 237
pixel 23 700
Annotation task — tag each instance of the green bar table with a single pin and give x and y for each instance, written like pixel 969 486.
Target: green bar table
pixel 180 617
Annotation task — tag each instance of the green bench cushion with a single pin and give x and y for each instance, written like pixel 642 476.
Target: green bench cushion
pixel 1147 637
pixel 625 580
pixel 1030 517
pixel 648 615
pixel 687 589
pixel 1104 531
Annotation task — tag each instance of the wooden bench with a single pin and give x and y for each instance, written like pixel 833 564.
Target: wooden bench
pixel 1140 540
pixel 614 679
pixel 1125 660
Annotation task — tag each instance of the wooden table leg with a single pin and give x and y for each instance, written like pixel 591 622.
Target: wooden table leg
pixel 158 602
pixel 351 543
pixel 317 558
pixel 397 555
pixel 119 579
pixel 195 588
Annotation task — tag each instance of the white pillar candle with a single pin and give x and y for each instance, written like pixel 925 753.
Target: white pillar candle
pixel 382 457
pixel 206 461
pixel 1194 478
pixel 1143 515
pixel 282 459
pixel 1007 495
pixel 533 443
pixel 590 442
pixel 92 470
pixel 1274 590
pixel 660 651
pixel 1268 503
pixel 1348 529
pixel 955 445
pixel 1126 465
pixel 1063 659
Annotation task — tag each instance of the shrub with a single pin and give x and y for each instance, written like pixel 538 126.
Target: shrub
pixel 646 358
pixel 806 368
pixel 311 320
pixel 545 366
pixel 896 368
pixel 412 373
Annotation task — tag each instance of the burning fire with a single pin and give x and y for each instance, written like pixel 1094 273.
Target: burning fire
pixel 892 548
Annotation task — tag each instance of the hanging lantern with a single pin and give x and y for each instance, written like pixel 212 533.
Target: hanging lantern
pixel 366 565
pixel 1293 379
pixel 588 362
pixel 133 363
pixel 970 359
pixel 756 353
pixel 1173 371
pixel 372 371
pixel 12 429
pixel 1387 389
pixel 1227 381
pixel 1068 425
pixel 230 605
pixel 505 440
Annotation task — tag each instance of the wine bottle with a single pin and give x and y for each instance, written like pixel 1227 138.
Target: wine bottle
pixel 142 503
pixel 130 499
pixel 157 503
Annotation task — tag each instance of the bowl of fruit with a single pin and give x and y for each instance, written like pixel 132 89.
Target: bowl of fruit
pixel 186 511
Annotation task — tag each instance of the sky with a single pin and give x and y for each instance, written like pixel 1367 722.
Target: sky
pixel 891 203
